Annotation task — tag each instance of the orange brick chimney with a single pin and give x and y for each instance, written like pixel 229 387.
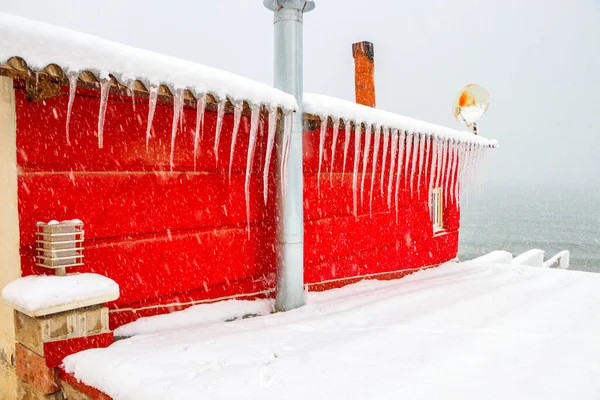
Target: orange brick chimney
pixel 364 73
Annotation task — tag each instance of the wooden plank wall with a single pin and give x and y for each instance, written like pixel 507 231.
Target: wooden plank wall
pixel 171 239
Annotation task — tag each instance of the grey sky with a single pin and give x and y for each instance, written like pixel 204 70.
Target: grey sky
pixel 540 60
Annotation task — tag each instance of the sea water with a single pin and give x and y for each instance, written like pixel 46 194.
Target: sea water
pixel 518 218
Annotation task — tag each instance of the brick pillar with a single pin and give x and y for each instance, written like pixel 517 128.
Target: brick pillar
pixel 364 73
pixel 43 342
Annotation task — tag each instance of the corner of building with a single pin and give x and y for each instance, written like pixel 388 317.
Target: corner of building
pixel 10 268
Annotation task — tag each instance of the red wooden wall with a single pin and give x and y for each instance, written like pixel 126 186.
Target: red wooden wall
pixel 169 239
pixel 338 245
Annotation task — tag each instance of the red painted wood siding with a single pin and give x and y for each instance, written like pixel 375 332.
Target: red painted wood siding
pixel 339 245
pixel 174 238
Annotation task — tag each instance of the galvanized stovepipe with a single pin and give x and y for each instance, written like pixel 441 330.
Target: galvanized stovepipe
pixel 288 66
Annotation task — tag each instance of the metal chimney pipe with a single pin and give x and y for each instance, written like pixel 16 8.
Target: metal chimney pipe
pixel 288 73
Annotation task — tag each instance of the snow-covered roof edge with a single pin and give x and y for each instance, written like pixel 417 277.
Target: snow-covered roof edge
pixel 321 105
pixel 40 44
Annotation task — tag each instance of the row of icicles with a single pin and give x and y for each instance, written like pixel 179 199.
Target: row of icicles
pixel 452 165
pixel 178 103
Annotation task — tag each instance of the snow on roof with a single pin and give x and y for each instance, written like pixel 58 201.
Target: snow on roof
pixel 321 105
pixel 460 331
pixel 38 295
pixel 40 45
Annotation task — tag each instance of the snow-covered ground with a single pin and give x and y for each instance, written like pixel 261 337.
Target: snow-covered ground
pixel 464 331
pixel 197 316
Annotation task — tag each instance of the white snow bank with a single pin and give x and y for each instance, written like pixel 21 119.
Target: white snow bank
pixel 496 256
pixel 38 295
pixel 200 315
pixel 40 44
pixel 533 258
pixel 318 104
pixel 460 331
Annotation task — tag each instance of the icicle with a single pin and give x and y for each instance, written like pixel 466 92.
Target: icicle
pixel 73 77
pixel 336 129
pixel 270 140
pixel 433 172
pixel 399 167
pixel 416 145
pixel 453 170
pixel 465 168
pixel 152 106
pixel 468 169
pixel 177 106
pixel 472 167
pixel 131 88
pixel 104 89
pixel 357 129
pixel 254 118
pixel 365 161
pixel 321 149
pixel 181 115
pixel 481 168
pixel 392 165
pixel 459 171
pixel 386 142
pixel 477 170
pixel 449 161
pixel 440 152
pixel 444 179
pixel 347 128
pixel 200 107
pixel 237 116
pixel 427 155
pixel 374 166
pixel 409 140
pixel 285 148
pixel 422 141
pixel 220 115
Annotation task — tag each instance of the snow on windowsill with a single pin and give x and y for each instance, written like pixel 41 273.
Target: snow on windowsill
pixel 321 105
pixel 39 295
pixel 440 232
pixel 41 44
